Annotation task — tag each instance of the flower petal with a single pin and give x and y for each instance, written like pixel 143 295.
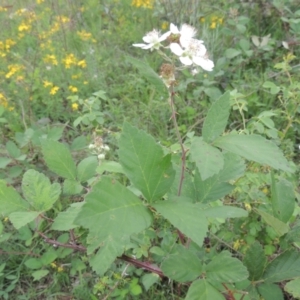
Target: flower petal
pixel 176 49
pixel 185 60
pixel 204 63
pixel 174 29
pixel 164 36
pixel 139 45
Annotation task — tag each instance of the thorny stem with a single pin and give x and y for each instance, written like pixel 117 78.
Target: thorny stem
pixel 183 153
pixel 141 264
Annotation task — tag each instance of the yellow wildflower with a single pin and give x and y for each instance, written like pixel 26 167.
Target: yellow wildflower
pixel 3 8
pixel 50 58
pixel 6 219
pixel 12 70
pixel 60 269
pixel 73 89
pixel 75 106
pixel 47 83
pixel 39 1
pixel 24 27
pixel 142 3
pixel 85 82
pixel 164 25
pixel 84 35
pixel 202 19
pixel 82 63
pixel 54 90
pixel 70 60
pixel 11 108
pixel 213 25
pixel 3 100
pixel 221 20
pixel 53 265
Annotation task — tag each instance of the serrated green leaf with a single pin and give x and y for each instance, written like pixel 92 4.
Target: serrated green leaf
pixel 86 169
pixel 65 219
pixel 270 291
pixel 279 227
pixel 203 290
pixel 234 167
pixel 10 200
pixel 110 249
pixel 78 143
pixel 293 288
pixel 210 189
pixel 12 149
pixel 38 190
pixel 110 166
pixel 59 159
pixel 71 187
pixel 20 219
pixel 255 148
pixel 55 133
pixel 284 267
pixel 283 198
pixel 187 217
pixel 37 275
pixel 149 279
pixel 144 163
pixel 224 268
pixel 209 160
pixel 182 266
pixel 112 213
pixel 225 212
pixel 150 75
pixel 216 119
pixel 255 261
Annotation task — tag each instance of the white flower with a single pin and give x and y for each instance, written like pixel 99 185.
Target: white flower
pixel 186 31
pixel 192 51
pixel 153 40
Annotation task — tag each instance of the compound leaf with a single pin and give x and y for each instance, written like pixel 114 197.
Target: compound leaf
pixel 283 199
pixel 187 217
pixel 86 169
pixel 284 267
pixel 209 160
pixel 112 213
pixel 203 290
pixel 38 190
pixel 255 260
pixel 10 200
pixel 216 119
pixel 224 268
pixel 20 219
pixel 182 266
pixel 59 159
pixel 293 288
pixel 254 147
pixel 65 219
pixel 144 163
pixel 270 291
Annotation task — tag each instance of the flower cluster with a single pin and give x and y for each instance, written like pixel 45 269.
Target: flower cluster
pixel 183 44
pixel 99 148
